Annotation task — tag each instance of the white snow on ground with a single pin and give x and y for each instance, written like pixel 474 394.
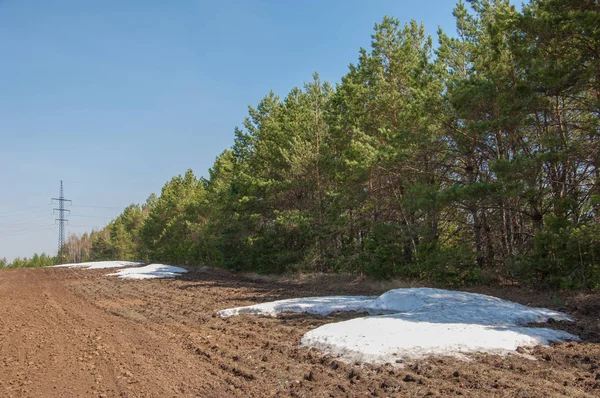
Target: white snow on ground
pixel 312 305
pixel 418 322
pixel 138 272
pixel 149 272
pixel 387 338
pixel 101 264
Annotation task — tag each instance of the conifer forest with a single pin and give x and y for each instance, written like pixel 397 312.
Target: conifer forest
pixel 470 157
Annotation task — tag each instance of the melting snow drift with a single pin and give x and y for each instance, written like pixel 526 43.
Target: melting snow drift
pixel 139 271
pixel 150 271
pixel 101 264
pixel 416 322
pixel 311 305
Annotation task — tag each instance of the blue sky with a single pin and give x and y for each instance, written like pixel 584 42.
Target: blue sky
pixel 116 97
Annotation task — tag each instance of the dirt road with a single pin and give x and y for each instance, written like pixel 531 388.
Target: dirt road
pixel 76 333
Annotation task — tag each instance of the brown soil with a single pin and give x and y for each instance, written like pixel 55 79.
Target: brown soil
pixel 76 333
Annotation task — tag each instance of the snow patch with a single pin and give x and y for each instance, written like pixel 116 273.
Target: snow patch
pixel 448 306
pixel 101 264
pixel 388 338
pixel 311 305
pixel 418 322
pixel 150 271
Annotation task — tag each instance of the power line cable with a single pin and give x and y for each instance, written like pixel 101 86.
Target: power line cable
pixel 98 207
pixel 26 216
pixel 18 213
pixel 26 221
pixel 21 226
pixel 26 230
pixel 98 217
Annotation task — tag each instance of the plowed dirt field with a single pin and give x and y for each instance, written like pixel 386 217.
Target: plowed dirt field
pixel 77 333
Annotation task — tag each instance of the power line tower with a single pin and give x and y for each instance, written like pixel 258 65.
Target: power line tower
pixel 61 218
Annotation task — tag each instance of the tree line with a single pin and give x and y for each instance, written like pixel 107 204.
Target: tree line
pixel 466 161
pixel 37 260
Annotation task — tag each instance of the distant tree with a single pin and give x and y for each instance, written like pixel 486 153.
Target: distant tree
pixel 173 228
pixel 37 260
